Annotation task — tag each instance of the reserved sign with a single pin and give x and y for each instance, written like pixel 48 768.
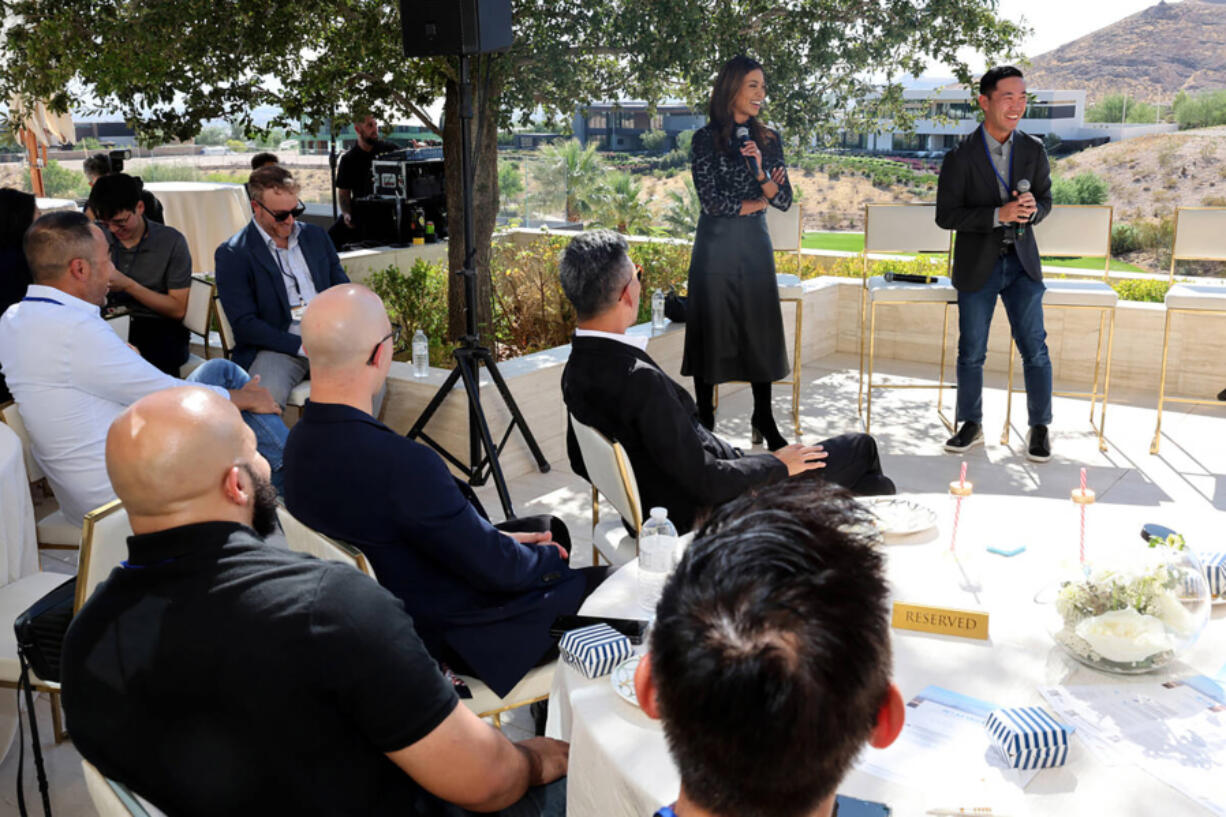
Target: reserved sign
pixel 943 620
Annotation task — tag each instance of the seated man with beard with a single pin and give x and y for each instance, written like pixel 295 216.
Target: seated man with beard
pixel 215 674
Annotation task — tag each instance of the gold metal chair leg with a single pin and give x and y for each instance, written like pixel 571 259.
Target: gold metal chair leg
pixel 595 522
pixel 872 348
pixel 863 329
pixel 796 366
pixel 1098 354
pixel 1004 434
pixel 1166 341
pixel 951 427
pixel 1102 418
pixel 497 719
pixel 57 718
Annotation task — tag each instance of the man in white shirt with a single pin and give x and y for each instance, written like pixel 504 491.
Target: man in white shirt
pixel 71 375
pixel 267 273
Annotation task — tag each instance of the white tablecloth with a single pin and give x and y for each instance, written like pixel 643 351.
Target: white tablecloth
pixel 52 205
pixel 619 764
pixel 18 540
pixel 207 214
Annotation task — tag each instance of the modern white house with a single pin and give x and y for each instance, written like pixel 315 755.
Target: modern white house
pixel 620 125
pixel 944 116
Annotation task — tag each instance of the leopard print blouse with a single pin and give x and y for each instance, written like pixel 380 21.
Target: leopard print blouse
pixel 723 180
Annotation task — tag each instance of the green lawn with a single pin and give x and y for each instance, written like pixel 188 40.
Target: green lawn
pixel 854 242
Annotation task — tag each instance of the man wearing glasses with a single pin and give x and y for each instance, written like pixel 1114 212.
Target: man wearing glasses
pixel 153 271
pixel 267 274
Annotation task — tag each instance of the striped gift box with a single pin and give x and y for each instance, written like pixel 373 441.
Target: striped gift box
pixel 1215 573
pixel 1027 737
pixel 594 650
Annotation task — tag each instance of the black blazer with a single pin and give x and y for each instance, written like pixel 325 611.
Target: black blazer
pixel 252 290
pixel 679 465
pixel 968 195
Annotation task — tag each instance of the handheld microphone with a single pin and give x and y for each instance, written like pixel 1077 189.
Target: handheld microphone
pixel 742 135
pixel 1023 186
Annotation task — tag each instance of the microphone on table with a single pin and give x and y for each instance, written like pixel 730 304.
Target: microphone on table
pixel 1023 186
pixel 742 135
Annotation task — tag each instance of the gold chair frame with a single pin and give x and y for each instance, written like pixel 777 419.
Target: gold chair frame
pixel 868 325
pixel 1166 331
pixel 1093 394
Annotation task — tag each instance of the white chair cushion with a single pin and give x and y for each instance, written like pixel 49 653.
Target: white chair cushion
pixel 535 684
pixel 193 363
pixel 54 529
pixel 299 394
pixel 1079 293
pixel 879 289
pixel 15 598
pixel 1196 296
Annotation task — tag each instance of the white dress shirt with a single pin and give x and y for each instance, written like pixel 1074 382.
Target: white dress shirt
pixel 295 274
pixel 637 342
pixel 71 376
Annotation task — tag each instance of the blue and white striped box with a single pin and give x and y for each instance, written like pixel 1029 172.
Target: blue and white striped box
pixel 1028 737
pixel 595 650
pixel 1215 574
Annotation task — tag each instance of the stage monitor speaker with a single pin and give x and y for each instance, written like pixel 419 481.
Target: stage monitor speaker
pixel 435 28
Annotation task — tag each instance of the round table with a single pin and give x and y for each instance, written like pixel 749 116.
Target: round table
pixel 18 539
pixel 207 213
pixel 47 205
pixel 619 764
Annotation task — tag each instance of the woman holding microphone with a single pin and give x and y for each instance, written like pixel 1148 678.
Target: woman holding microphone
pixel 734 325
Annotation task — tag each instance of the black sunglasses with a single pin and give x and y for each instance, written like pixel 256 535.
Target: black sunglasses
pixel 281 215
pixel 394 335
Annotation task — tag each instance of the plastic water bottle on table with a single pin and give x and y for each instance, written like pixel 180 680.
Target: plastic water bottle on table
pixel 657 547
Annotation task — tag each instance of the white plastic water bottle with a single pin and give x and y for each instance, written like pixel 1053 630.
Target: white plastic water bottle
pixel 657 543
pixel 657 310
pixel 421 354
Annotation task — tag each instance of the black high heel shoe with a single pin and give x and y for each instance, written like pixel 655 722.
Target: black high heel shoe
pixel 768 433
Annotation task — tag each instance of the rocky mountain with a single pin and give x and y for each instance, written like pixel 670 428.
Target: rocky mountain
pixel 1152 55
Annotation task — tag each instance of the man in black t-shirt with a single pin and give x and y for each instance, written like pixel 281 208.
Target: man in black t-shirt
pixel 353 177
pixel 215 674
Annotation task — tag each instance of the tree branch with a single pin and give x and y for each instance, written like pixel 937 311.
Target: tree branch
pixel 597 51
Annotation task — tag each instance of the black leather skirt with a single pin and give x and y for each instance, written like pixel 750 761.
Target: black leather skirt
pixel 733 324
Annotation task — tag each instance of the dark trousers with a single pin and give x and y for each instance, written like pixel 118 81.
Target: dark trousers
pixel 852 462
pixel 161 341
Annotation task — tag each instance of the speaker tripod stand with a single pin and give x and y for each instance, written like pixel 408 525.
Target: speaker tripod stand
pixel 470 355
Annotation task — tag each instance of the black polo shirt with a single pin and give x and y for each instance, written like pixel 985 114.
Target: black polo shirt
pixel 353 170
pixel 160 261
pixel 215 674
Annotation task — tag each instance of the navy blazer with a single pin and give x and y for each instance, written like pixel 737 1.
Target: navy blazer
pixel 678 464
pixel 968 195
pixel 252 289
pixel 467 585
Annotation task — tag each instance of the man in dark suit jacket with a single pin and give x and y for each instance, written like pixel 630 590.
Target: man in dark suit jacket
pixel 611 384
pixel 267 273
pixel 482 597
pixel 995 253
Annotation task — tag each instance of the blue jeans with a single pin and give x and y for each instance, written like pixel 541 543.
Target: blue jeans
pixel 270 430
pixel 1023 300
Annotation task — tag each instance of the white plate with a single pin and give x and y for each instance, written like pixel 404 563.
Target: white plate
pixel 898 517
pixel 622 679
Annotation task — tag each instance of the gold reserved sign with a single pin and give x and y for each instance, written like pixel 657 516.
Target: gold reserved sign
pixel 942 620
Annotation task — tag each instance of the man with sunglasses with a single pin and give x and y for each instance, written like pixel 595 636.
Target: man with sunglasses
pixel 153 271
pixel 267 274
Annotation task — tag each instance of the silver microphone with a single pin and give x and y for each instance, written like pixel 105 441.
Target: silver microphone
pixel 1023 186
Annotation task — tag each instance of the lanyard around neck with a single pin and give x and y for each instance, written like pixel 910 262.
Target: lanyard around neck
pixel 1008 183
pixel 43 300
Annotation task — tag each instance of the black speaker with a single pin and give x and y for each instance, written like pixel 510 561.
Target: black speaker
pixel 435 28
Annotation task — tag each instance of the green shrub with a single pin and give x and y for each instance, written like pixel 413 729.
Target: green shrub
pixel 236 145
pixel 655 141
pixel 1134 289
pixel 154 172
pixel 1084 188
pixel 59 181
pixel 1124 238
pixel 415 301
pixel 685 141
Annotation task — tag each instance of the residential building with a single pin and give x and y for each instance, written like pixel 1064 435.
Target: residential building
pixel 404 135
pixel 620 125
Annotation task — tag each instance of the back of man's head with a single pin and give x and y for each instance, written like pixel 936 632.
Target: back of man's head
pixel 54 241
pixel 175 457
pixel 96 166
pixel 263 160
pixel 591 271
pixel 341 331
pixel 770 653
pixel 271 177
pixel 115 194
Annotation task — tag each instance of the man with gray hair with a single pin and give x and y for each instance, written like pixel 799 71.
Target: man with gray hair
pixel 611 384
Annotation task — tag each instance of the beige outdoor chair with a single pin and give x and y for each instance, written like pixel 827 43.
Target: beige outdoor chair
pixel 610 473
pixel 1200 235
pixel 532 687
pixel 1077 231
pixel 197 318
pixel 297 396
pixel 903 228
pixel 53 531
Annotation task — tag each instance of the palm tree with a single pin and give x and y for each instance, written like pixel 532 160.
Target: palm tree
pixel 618 204
pixel 683 211
pixel 570 168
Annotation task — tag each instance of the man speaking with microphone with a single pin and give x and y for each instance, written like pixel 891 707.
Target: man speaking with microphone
pixel 994 186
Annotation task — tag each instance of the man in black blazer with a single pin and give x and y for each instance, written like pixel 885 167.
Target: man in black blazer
pixel 267 273
pixel 993 188
pixel 482 596
pixel 611 384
